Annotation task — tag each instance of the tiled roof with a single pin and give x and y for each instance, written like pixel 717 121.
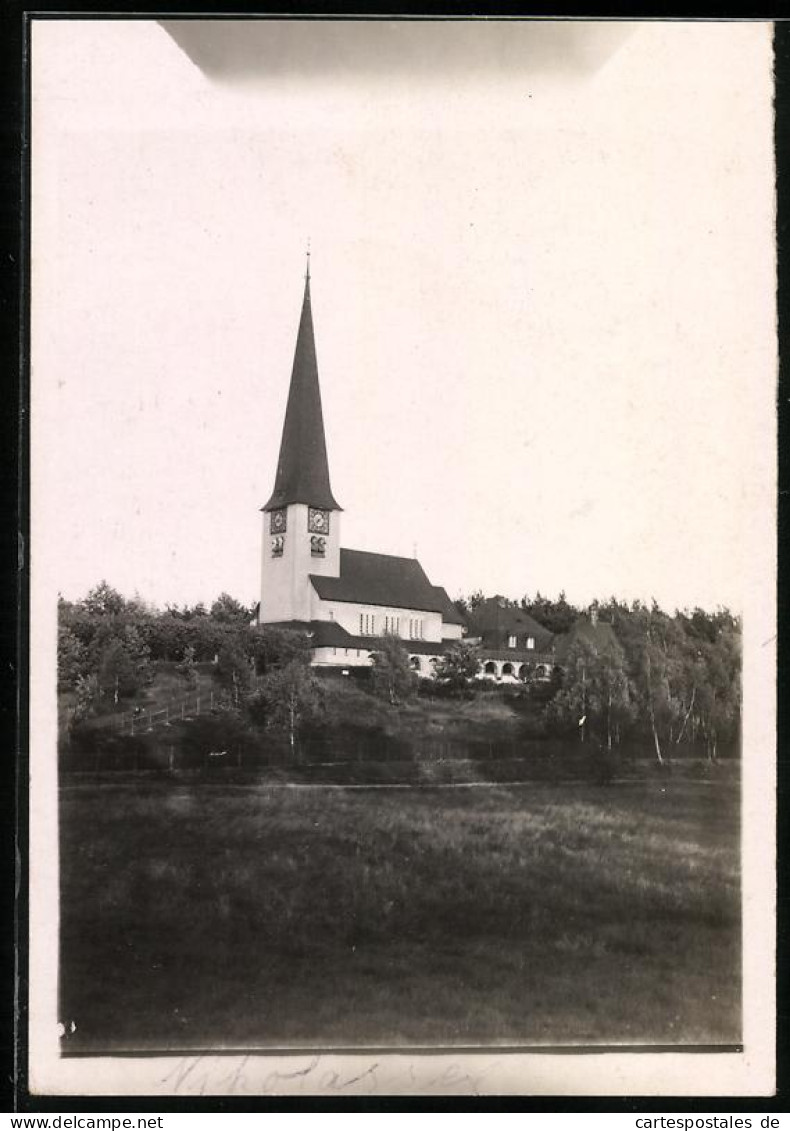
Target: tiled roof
pixel 600 635
pixel 330 634
pixel 450 614
pixel 289 625
pixel 492 614
pixel 380 579
pixel 302 468
pixel 495 622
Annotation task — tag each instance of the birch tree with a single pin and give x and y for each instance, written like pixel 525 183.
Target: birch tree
pixel 289 697
pixel 596 695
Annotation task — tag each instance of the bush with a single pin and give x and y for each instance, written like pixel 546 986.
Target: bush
pixel 361 676
pixel 432 689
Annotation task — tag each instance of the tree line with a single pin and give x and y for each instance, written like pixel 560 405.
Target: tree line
pixel 108 644
pixel 667 679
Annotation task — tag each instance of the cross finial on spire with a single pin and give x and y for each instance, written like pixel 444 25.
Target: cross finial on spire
pixel 307 272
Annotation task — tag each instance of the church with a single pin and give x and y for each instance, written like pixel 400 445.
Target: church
pixel 345 600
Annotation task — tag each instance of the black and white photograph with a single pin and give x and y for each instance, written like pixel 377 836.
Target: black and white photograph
pixel 403 556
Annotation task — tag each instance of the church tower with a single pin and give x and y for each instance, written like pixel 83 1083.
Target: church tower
pixel 301 531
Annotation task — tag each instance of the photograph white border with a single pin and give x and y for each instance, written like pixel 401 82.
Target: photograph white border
pixel 583 1073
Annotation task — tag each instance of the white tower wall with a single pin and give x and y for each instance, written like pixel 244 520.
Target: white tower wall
pixel 286 591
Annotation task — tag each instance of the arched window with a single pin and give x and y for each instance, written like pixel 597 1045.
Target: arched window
pixel 490 668
pixel 415 662
pixel 507 669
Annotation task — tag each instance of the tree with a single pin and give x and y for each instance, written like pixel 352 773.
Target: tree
pixel 474 601
pixel 660 675
pixel 227 610
pixel 140 606
pixel 664 665
pixel 73 659
pixel 186 666
pixel 392 675
pixel 718 703
pixel 686 673
pixel 166 636
pixel 570 706
pixel 137 649
pixel 103 601
pixel 271 648
pixel 99 636
pixel 459 664
pixel 234 671
pixel 123 665
pixel 87 695
pixel 557 616
pixel 288 698
pixel 711 677
pixel 613 692
pixel 596 695
pixel 187 612
pixel 208 637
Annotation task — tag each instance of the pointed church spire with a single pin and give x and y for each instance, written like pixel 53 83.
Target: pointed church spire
pixel 303 469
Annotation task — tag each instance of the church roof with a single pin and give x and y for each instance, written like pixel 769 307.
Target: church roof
pixel 381 579
pixel 450 614
pixel 330 634
pixel 302 468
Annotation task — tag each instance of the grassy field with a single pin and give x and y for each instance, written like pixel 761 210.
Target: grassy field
pixel 219 915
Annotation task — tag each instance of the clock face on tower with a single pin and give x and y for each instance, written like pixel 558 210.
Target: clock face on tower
pixel 277 522
pixel 317 521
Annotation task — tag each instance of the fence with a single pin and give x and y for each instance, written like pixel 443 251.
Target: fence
pixel 141 719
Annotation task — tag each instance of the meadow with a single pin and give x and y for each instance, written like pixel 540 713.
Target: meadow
pixel 199 914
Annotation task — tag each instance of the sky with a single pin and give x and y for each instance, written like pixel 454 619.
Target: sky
pixel 542 286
